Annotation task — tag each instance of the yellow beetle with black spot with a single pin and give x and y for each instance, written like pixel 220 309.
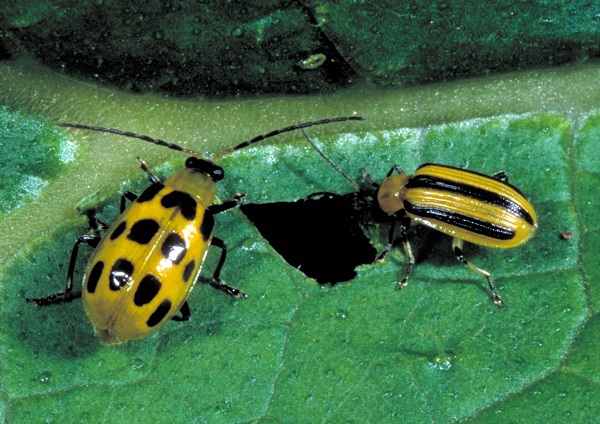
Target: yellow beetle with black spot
pixel 146 264
pixel 142 271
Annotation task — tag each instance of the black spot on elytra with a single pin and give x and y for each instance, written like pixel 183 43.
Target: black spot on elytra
pixel 120 274
pixel 147 290
pixel 95 273
pixel 207 225
pixel 183 201
pixel 119 230
pixel 143 231
pixel 159 314
pixel 149 193
pixel 187 271
pixel 173 248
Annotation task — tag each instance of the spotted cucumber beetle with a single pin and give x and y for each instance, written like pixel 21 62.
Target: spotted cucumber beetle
pixel 144 267
pixel 466 205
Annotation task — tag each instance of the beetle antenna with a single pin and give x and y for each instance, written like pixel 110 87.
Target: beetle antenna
pixel 329 161
pixel 287 129
pixel 132 135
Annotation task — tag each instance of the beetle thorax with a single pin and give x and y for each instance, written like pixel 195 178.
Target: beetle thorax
pixel 391 193
pixel 196 184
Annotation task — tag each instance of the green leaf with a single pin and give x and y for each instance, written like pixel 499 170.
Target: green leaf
pixel 32 152
pixel 397 43
pixel 437 351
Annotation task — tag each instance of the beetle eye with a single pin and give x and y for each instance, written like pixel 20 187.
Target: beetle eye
pixel 217 173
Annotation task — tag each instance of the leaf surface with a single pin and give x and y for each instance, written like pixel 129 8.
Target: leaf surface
pixel 296 351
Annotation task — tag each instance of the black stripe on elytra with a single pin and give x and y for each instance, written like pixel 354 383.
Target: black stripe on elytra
pixel 173 248
pixel 120 274
pixel 143 231
pixel 184 201
pixel 464 222
pixel 207 225
pixel 149 193
pixel 147 290
pixel 159 314
pixel 461 189
pixel 95 274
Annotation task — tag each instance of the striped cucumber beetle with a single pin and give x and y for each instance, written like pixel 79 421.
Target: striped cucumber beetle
pixel 144 267
pixel 466 205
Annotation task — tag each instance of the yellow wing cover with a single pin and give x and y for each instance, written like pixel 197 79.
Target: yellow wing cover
pixel 470 206
pixel 144 268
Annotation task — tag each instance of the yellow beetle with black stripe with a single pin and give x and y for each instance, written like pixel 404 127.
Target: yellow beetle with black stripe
pixel 148 261
pixel 466 205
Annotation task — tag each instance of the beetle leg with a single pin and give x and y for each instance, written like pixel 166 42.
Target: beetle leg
pixel 128 195
pixel 94 223
pixel 216 281
pixel 185 313
pixel 457 245
pixel 404 226
pixel 390 240
pixel 67 294
pixel 396 168
pixel 151 177
pixel 502 176
pixel 98 226
pixel 226 205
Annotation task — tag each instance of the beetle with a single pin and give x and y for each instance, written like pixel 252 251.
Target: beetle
pixel 144 267
pixel 466 205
